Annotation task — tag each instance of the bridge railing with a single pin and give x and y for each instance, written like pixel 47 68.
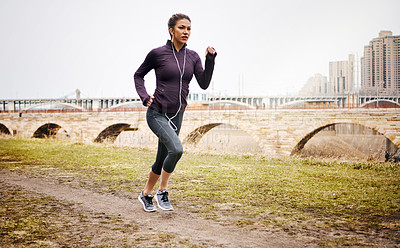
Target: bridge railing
pixel 208 108
pixel 338 106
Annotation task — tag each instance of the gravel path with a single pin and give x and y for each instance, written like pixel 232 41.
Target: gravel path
pixel 179 222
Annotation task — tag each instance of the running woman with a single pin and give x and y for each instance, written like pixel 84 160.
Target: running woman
pixel 174 65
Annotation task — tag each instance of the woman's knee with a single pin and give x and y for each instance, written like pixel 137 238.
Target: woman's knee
pixel 177 151
pixel 156 168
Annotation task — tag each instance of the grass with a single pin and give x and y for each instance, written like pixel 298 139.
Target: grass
pixel 293 194
pixel 29 220
pixel 20 222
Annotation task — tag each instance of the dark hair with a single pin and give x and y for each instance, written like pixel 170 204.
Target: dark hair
pixel 175 18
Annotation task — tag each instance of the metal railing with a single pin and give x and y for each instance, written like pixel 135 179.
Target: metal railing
pixel 209 108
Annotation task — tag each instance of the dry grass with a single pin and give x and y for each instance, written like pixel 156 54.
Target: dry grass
pixel 358 201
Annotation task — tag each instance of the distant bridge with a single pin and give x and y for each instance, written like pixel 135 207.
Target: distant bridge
pixel 276 131
pixel 205 100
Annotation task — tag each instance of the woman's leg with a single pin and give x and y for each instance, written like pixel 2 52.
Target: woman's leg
pixel 169 148
pixel 164 180
pixel 151 181
pixel 162 153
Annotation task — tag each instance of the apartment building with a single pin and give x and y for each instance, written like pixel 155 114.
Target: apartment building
pixel 341 80
pixel 380 65
pixel 316 85
pixel 341 76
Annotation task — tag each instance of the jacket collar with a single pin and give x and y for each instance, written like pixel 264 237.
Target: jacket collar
pixel 170 44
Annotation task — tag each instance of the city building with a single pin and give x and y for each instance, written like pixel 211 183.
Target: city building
pixel 341 80
pixel 380 66
pixel 341 77
pixel 316 85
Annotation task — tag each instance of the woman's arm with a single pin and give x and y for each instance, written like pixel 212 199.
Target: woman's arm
pixel 141 72
pixel 203 77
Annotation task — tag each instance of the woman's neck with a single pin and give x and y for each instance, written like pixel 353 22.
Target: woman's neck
pixel 178 46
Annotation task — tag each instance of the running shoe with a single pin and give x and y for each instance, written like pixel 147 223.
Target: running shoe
pixel 147 201
pixel 163 201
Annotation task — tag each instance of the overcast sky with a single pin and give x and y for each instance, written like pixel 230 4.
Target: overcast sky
pixel 49 48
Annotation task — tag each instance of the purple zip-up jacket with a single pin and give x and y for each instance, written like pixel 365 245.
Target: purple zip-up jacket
pixel 162 60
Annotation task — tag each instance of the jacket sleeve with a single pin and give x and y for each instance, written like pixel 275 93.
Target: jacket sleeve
pixel 145 67
pixel 203 77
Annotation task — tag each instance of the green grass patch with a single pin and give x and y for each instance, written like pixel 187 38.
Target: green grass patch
pixel 249 191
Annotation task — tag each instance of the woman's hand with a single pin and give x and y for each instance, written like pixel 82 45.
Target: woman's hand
pixel 150 101
pixel 210 50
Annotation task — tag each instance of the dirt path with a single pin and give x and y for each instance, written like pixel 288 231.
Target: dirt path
pixel 179 222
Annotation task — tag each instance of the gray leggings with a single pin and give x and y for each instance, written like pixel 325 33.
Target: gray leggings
pixel 169 146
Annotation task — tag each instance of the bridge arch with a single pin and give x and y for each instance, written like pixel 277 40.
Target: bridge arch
pixel 194 137
pixel 300 145
pixel 47 130
pixel 386 103
pixel 127 106
pixel 228 103
pixel 111 132
pixel 52 106
pixel 4 130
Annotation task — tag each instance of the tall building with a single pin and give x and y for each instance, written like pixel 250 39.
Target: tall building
pixel 315 86
pixel 341 80
pixel 380 66
pixel 341 76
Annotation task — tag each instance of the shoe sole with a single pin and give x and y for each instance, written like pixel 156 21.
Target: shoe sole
pixel 140 199
pixel 165 209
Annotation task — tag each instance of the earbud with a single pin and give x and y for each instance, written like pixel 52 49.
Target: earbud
pixel 173 32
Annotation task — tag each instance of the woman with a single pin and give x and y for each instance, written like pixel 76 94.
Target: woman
pixel 174 66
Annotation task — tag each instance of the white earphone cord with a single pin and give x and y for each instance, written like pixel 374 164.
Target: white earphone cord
pixel 181 72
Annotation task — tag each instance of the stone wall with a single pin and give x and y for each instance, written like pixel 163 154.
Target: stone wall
pixel 278 132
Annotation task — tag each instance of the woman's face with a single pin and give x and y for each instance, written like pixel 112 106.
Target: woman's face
pixel 181 31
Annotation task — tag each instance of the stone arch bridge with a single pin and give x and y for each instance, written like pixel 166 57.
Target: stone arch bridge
pixel 277 132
